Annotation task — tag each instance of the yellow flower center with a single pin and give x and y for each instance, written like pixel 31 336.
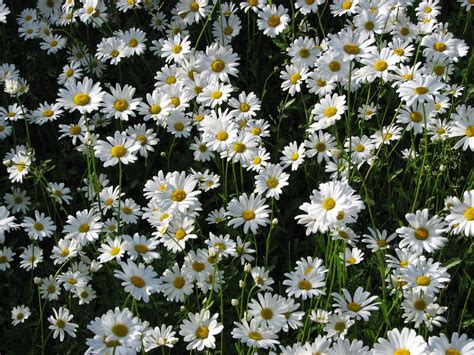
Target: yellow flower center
pixel 470 131
pixel 369 25
pixel 401 351
pixel 180 234
pixel 197 266
pixel 155 109
pixel 294 78
pixel 202 332
pixel 404 263
pixel 354 307
pixel 178 195
pixel 351 48
pixel 178 282
pixel 81 99
pixel 421 90
pixel 439 47
pixel 217 65
pixel 351 260
pixel 304 53
pixel 222 136
pixel 239 147
pixel 228 30
pixel 453 351
pixel 334 66
pixel 416 117
pixel 141 248
pixel 273 21
pixel 294 156
pixel 120 105
pixel 248 215
pixel 3 259
pixel 170 80
pixel 255 336
pixel 179 126
pixel 340 326
pixel 346 5
pixel 421 233
pixel 127 210
pixel 48 113
pixel 257 160
pixel 304 285
pixel 84 228
pixel 132 43
pixel 266 313
pixel 469 214
pixel 64 253
pixel 380 65
pixel 38 226
pixel 359 148
pixel 75 130
pixel 115 53
pixel 115 251
pixel 137 281
pixel 60 323
pixel 419 305
pixel 423 280
pixel 330 111
pixel 399 51
pixel 272 182
pixel 216 94
pixel 118 151
pixel 194 6
pixel 120 330
pixel 382 243
pixel 329 204
pixel 438 70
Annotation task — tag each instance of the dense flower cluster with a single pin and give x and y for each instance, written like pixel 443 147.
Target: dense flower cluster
pixel 199 246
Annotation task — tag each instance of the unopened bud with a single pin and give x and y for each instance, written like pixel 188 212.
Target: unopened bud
pixel 336 153
pixel 247 267
pixel 163 154
pixel 242 284
pixel 275 221
pixel 234 302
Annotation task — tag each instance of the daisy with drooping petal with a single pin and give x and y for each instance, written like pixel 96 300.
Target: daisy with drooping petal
pixel 328 111
pixel 83 96
pixel 84 227
pixel 404 342
pixel 159 336
pixel 461 217
pixel 119 148
pixel 138 280
pixel 254 334
pixel 358 306
pixel 200 330
pixel 61 323
pixel 250 211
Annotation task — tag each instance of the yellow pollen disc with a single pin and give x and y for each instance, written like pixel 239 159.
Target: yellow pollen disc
pixel 294 156
pixel 84 228
pixel 334 66
pixel 141 248
pixel 108 202
pixel 84 294
pixel 340 215
pixel 402 351
pixel 216 94
pixel 142 139
pixel 428 10
pixel 72 280
pixel 222 136
pixel 469 214
pixel 170 80
pixel 329 204
pixel 38 226
pixel 81 99
pixel 309 2
pixel 178 282
pixel 115 53
pixel 11 114
pixel 421 234
pixel 112 343
pixel 438 70
pixel 178 195
pixel 407 76
pixel 120 105
pixel 53 43
pixel 416 116
pixel 351 48
pixel 330 111
pixel 253 2
pixel 180 234
pixel 137 281
pixel 60 323
pixel 439 47
pixel 272 182
pixel 127 210
pixel 115 251
pixel 256 131
pixel 340 326
pixel 65 252
pixel 118 151
pixel 239 147
pixel 133 43
pixel 304 53
pixel 90 10
pixel 2 128
pixel 404 31
pixel 380 65
pixel 453 351
pixel 244 107
pixel 29 31
pixel 120 330
pixel 359 148
pixel 382 243
pixel 217 65
pixel 228 30
pixel 440 131
pixel 257 160
pixel 399 51
pixel 304 285
pixel 48 113
pixel 387 136
pixel 20 167
pixel 198 118
pixel 266 313
pixel 202 148
pixel 273 21
pixel 179 126
pixel 421 90
pixel 194 6
pixel 18 200
pixel 354 307
pixel 248 215
pixel 202 332
pixel 346 5
pixel 419 305
pixel 369 25
pixel 155 109
pixel 294 78
pixel 198 267
pixel 51 288
pixel 255 336
pixel 470 131
pixel 320 147
pixel 423 280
